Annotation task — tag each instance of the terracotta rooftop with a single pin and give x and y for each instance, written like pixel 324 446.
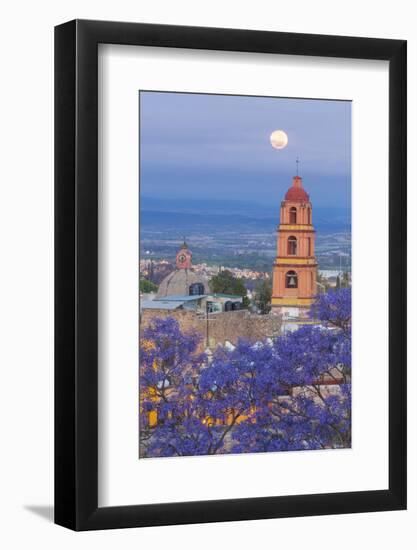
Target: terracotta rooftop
pixel 296 192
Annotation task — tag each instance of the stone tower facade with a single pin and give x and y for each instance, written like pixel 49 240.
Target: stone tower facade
pixel 295 266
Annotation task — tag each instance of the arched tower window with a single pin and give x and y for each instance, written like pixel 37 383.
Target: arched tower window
pixel 309 216
pixel 292 246
pixel 291 279
pixel 293 214
pixel 308 246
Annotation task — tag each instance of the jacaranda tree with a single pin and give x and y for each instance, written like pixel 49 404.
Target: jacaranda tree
pixel 291 394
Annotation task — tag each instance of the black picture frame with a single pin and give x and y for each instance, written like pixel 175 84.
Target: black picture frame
pixel 76 272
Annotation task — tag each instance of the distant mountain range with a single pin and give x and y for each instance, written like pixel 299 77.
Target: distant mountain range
pixel 214 215
pixel 198 206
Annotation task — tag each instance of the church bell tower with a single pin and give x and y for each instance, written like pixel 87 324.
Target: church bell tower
pixel 184 257
pixel 295 266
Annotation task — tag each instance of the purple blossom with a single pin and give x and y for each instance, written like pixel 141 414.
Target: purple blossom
pixel 255 398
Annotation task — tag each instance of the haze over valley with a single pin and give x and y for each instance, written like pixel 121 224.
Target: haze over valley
pixel 234 233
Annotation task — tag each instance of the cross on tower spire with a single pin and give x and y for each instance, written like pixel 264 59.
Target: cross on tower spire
pixel 297 161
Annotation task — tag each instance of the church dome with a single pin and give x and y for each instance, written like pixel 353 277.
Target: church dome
pixel 296 193
pixel 179 282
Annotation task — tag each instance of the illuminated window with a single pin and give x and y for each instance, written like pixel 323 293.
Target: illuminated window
pixel 153 419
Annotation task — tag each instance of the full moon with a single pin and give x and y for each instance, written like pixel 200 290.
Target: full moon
pixel 279 139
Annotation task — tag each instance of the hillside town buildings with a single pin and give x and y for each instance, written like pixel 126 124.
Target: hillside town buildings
pixel 184 292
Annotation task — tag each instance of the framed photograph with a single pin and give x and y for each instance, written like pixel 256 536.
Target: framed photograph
pixel 230 247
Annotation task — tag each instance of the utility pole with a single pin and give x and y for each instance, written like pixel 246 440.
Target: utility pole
pixel 207 325
pixel 208 321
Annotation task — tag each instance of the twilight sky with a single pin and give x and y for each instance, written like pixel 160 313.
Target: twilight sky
pixel 217 147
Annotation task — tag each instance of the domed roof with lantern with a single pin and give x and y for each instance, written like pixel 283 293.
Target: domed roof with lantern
pixel 296 192
pixel 179 281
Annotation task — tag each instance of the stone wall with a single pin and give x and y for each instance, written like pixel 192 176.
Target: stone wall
pixel 223 327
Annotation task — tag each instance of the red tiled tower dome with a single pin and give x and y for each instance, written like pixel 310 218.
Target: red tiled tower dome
pixel 296 192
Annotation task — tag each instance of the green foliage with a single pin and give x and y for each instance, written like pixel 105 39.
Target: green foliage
pixel 263 294
pixel 245 302
pixel 147 286
pixel 226 283
pixel 345 282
